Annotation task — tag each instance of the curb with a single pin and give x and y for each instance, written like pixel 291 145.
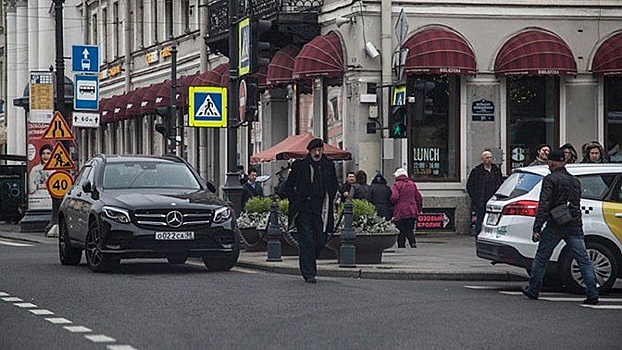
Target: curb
pixel 5 236
pixel 368 273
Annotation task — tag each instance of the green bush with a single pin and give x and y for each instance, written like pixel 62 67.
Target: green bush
pixel 361 208
pixel 258 205
pixel 283 205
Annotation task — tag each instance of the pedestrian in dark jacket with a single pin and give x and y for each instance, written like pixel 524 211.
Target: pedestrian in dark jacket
pixel 360 187
pixel 570 152
pixel 594 153
pixel 542 153
pixel 407 205
pixel 251 187
pixel 560 188
pixel 482 184
pixel 311 188
pixel 380 196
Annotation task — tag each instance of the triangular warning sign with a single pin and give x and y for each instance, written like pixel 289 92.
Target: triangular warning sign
pixel 58 129
pixel 208 108
pixel 60 159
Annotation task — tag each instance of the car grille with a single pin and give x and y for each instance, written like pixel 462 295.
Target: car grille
pixel 156 218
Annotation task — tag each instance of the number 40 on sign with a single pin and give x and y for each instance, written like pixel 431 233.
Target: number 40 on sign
pixel 59 183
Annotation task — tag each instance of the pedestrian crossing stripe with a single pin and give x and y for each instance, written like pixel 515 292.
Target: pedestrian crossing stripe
pixel 207 106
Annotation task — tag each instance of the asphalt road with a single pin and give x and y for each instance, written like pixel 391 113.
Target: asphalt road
pixel 154 305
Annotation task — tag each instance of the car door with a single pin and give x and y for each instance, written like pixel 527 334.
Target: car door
pixel 69 204
pixel 81 202
pixel 612 210
pixel 594 189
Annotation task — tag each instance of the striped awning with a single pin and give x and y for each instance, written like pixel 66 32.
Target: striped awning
pixel 281 66
pixel 535 52
pixel 322 56
pixel 608 58
pixel 147 103
pixel 106 109
pixel 120 105
pixel 439 51
pixel 132 107
pixel 163 96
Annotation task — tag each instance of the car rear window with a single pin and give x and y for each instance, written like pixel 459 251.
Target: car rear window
pixel 518 184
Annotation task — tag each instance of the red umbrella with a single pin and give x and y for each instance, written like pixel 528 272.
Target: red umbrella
pixel 295 146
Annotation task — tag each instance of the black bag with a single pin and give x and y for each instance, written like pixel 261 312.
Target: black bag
pixel 561 214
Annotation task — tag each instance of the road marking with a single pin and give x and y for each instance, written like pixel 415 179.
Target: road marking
pixel 482 287
pixel 14 244
pixel 3 294
pixel 120 347
pixel 25 305
pixel 12 299
pixel 57 320
pixel 41 312
pixel 243 270
pixel 100 338
pixel 78 329
pixel 604 307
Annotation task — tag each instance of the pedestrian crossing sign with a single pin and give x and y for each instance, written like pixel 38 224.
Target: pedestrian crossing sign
pixel 207 106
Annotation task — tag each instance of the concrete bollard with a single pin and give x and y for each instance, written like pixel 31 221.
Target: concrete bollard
pixel 274 234
pixel 347 253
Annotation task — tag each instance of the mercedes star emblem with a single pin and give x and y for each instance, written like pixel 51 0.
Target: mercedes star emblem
pixel 174 219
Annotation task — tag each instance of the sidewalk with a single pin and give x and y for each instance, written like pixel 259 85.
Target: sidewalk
pixel 438 257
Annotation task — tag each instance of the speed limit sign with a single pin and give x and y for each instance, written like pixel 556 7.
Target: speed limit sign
pixel 59 183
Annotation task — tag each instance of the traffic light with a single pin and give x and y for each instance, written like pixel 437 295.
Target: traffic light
pixel 397 122
pixel 164 128
pixel 423 103
pixel 259 44
pixel 252 111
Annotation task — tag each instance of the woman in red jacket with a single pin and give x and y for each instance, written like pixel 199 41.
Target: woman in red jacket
pixel 407 205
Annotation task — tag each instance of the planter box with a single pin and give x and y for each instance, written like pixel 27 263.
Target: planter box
pixel 369 247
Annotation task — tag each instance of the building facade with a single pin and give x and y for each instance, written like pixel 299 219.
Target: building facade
pixel 508 76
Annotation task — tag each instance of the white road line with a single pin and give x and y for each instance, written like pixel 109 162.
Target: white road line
pixel 243 270
pixel 482 287
pixel 3 294
pixel 120 347
pixel 510 293
pixel 12 299
pixel 14 244
pixel 604 307
pixel 57 320
pixel 100 338
pixel 78 329
pixel 25 305
pixel 41 312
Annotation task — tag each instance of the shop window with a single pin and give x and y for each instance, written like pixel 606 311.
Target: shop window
pixel 533 117
pixel 434 140
pixel 613 122
pixel 334 123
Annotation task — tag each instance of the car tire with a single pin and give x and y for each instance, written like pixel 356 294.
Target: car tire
pixel 95 259
pixel 221 263
pixel 67 254
pixel 605 268
pixel 177 260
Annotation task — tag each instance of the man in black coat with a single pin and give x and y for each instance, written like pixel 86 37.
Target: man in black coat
pixel 251 188
pixel 560 188
pixel 311 188
pixel 483 182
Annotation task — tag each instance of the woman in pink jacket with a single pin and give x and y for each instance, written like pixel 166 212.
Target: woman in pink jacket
pixel 407 205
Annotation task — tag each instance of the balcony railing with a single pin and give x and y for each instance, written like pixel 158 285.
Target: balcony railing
pixel 219 11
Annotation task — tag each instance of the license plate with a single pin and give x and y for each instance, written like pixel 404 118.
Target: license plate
pixel 492 219
pixel 174 236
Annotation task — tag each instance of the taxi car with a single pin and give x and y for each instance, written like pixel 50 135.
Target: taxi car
pixel 126 207
pixel 510 214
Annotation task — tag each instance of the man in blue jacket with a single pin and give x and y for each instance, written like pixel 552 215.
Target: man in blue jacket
pixel 560 188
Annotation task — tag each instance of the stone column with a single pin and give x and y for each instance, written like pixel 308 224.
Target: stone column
pixel 45 41
pixel 13 115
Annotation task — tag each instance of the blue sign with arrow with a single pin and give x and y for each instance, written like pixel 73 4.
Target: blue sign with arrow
pixel 85 58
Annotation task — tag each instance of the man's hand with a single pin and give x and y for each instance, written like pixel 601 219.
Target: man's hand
pixel 535 237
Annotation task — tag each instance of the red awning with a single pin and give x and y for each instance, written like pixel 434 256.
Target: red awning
pixel 147 103
pixel 132 107
pixel 106 108
pixel 535 52
pixel 608 58
pixel 260 75
pixel 120 105
pixel 322 56
pixel 163 96
pixel 439 51
pixel 295 146
pixel 182 89
pixel 281 66
pixel 219 76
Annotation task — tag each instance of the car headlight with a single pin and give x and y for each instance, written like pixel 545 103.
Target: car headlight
pixel 117 214
pixel 222 215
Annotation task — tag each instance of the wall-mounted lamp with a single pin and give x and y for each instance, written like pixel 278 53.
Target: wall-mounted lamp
pixel 339 21
pixel 371 50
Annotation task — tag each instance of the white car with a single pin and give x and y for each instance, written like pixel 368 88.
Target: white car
pixel 510 213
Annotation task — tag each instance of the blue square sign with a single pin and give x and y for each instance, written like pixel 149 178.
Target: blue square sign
pixel 85 58
pixel 86 92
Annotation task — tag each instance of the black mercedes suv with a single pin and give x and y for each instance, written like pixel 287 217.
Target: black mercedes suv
pixel 124 207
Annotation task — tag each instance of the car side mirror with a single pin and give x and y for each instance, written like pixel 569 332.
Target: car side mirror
pixel 87 187
pixel 210 186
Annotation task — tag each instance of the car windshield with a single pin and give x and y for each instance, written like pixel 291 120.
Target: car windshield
pixel 518 184
pixel 148 175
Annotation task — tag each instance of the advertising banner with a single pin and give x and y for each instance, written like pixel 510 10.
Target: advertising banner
pixel 39 152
